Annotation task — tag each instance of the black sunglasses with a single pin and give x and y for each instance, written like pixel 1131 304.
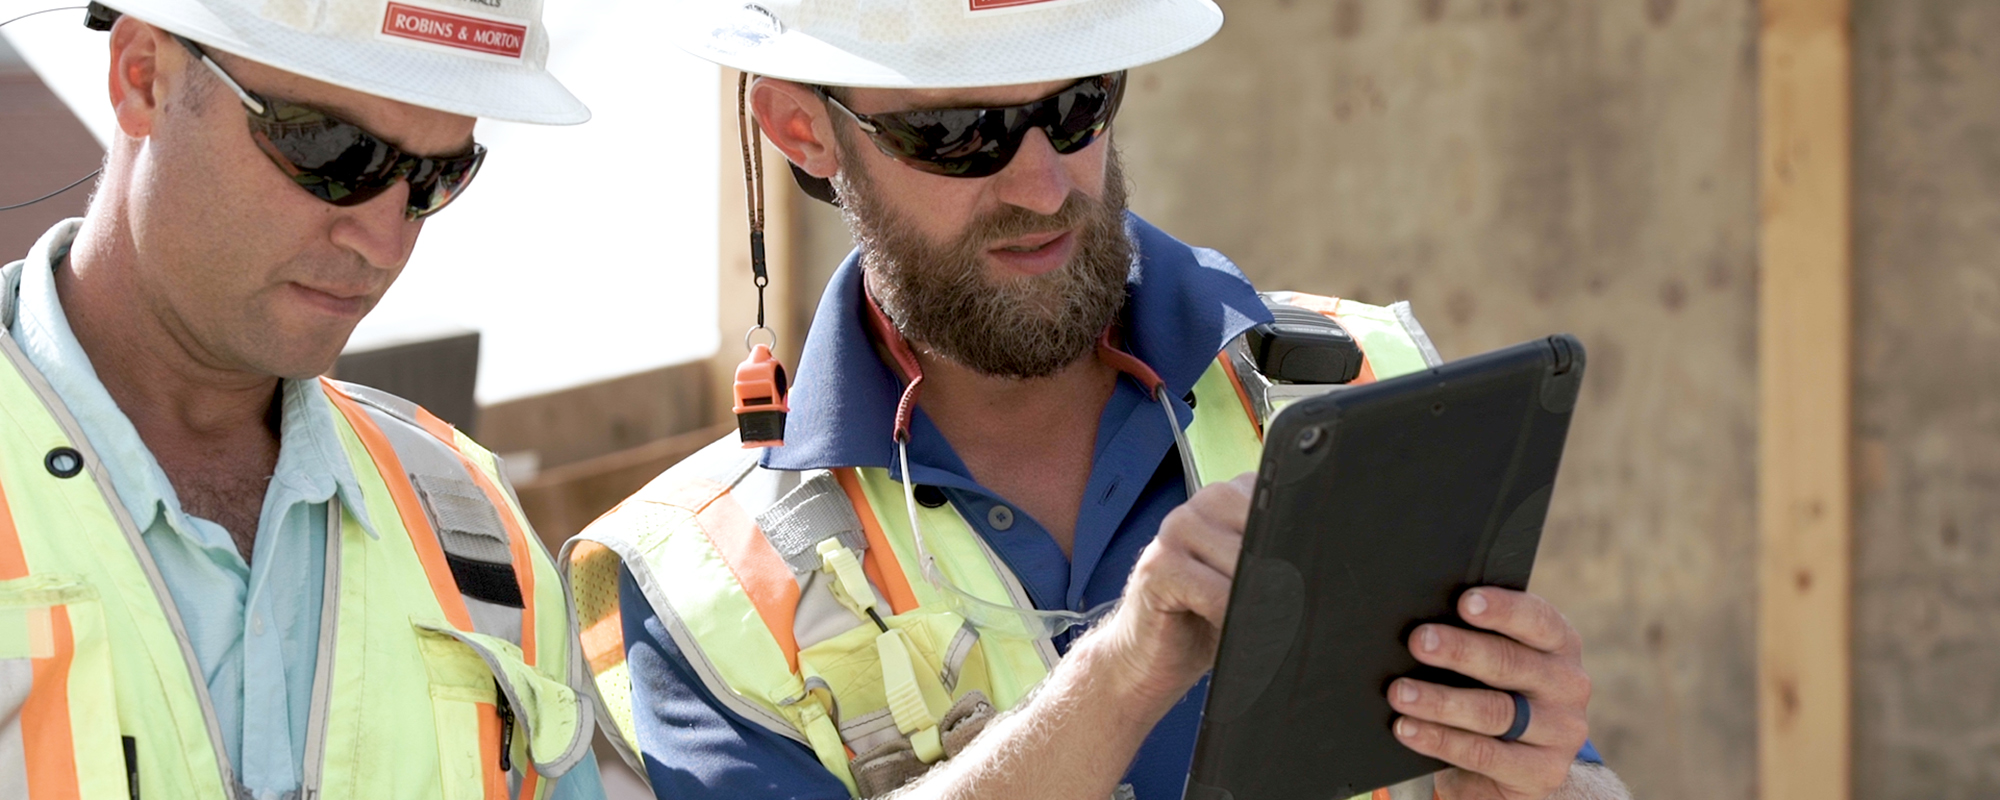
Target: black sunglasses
pixel 977 142
pixel 338 161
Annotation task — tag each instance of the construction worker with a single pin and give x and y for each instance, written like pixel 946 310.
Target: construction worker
pixel 222 577
pixel 1010 400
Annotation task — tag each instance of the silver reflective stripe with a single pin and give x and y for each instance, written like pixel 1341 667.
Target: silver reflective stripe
pixel 1416 331
pixel 466 525
pixel 132 539
pixel 17 681
pixel 10 286
pixel 691 649
pixel 956 653
pixel 494 619
pixel 329 631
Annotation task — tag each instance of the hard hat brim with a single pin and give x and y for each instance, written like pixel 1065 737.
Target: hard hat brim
pixel 1069 40
pixel 497 90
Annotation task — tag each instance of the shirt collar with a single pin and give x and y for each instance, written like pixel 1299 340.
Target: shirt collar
pixel 312 465
pixel 1183 305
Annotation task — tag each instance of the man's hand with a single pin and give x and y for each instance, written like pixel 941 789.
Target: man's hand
pixel 1164 635
pixel 1533 651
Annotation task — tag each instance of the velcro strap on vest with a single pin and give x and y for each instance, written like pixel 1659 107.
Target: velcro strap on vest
pixel 815 511
pixel 473 538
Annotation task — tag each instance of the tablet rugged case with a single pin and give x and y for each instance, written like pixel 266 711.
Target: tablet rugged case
pixel 1376 506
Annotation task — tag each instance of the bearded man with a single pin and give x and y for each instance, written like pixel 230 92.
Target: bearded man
pixel 1009 400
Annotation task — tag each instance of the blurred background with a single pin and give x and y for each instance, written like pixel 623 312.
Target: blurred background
pixel 1776 227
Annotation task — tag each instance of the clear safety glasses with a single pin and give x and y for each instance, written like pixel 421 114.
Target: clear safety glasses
pixel 1005 620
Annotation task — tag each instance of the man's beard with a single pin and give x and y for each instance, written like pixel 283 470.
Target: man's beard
pixel 941 297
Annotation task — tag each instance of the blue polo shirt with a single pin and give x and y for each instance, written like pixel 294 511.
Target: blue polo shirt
pixel 1183 305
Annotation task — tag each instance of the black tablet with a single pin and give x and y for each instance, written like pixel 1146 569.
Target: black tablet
pixel 1376 506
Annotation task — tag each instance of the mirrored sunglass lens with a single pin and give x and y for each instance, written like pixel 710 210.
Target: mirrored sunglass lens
pixel 1083 112
pixel 436 182
pixel 335 160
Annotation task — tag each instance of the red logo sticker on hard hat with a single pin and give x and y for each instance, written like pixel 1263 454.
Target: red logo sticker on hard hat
pixel 979 6
pixel 458 31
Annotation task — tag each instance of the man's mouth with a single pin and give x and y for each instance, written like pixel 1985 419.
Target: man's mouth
pixel 335 300
pixel 1035 254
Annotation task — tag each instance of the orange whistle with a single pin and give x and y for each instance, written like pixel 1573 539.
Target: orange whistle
pixel 760 399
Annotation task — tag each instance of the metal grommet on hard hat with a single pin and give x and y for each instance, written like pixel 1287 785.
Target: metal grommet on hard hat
pixel 63 462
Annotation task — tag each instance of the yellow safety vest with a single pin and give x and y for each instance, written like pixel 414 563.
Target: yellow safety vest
pixel 741 564
pixel 424 666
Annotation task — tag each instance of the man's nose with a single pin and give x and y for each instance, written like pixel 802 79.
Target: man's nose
pixel 1035 179
pixel 377 229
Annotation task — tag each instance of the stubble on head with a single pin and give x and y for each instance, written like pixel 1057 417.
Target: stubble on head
pixel 942 296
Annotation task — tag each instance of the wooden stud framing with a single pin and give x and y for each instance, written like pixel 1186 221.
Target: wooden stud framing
pixel 734 292
pixel 1805 386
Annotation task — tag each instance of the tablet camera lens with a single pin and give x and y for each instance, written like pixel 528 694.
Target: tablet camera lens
pixel 1311 438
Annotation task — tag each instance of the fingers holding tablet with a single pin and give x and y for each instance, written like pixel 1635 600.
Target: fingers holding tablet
pixel 1524 617
pixel 1534 659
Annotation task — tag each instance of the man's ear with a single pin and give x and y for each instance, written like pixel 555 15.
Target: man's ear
pixel 135 86
pixel 796 121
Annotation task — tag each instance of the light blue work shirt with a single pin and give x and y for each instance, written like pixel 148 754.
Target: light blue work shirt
pixel 254 627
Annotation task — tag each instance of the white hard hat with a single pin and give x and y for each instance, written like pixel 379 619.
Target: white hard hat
pixel 479 58
pixel 941 43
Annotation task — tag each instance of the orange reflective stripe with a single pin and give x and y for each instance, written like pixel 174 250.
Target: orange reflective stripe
pixel 13 563
pixel 48 746
pixel 423 540
pixel 881 563
pixel 1249 408
pixel 601 620
pixel 416 526
pixel 764 575
pixel 1379 794
pixel 489 748
pixel 604 642
pixel 517 539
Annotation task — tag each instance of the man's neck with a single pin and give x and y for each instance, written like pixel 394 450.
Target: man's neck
pixel 1032 441
pixel 210 425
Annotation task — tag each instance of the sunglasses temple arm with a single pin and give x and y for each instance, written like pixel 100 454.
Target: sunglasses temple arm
pixel 858 119
pixel 249 100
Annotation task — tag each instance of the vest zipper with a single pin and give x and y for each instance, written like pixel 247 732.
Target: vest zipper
pixel 329 629
pixel 506 712
pixel 133 540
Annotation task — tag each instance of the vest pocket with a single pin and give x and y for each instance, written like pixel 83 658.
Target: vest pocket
pixel 851 666
pixel 540 719
pixel 58 709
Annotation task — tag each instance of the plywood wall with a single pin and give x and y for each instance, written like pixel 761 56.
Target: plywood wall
pixel 1927 340
pixel 1516 168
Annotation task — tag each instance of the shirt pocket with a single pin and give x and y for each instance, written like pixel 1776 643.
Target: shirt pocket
pixel 58 707
pixel 483 694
